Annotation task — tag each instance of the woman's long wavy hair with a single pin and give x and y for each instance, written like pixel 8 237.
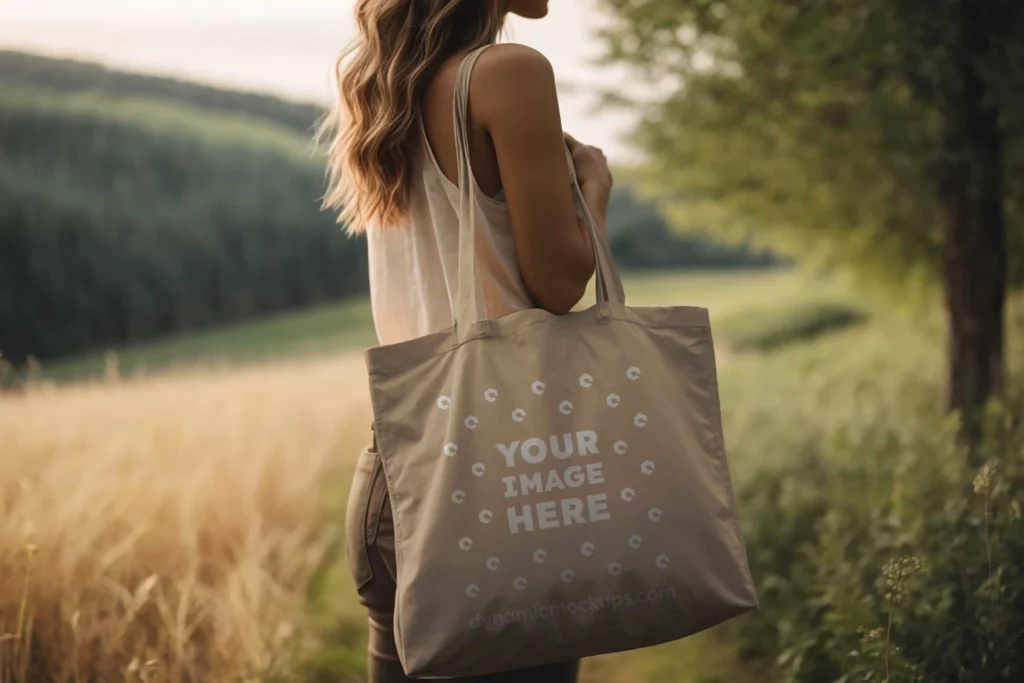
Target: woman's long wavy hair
pixel 380 80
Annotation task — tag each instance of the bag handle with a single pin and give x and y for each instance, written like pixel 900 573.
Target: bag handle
pixel 604 262
pixel 468 310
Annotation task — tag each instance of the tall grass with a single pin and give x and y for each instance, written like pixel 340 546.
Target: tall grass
pixel 173 523
pixel 186 526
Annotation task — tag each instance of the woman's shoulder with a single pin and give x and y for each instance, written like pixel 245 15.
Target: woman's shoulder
pixel 510 76
pixel 513 55
pixel 512 60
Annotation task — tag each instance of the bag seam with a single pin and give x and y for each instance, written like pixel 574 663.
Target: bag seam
pixel 382 446
pixel 445 348
pixel 725 474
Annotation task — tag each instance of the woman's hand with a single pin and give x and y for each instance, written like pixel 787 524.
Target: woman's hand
pixel 591 165
pixel 595 179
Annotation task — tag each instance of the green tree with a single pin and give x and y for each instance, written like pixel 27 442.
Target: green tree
pixel 124 219
pixel 879 135
pixel 641 238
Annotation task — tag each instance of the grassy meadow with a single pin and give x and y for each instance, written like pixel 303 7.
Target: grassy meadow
pixel 174 475
pixel 349 325
pixel 185 525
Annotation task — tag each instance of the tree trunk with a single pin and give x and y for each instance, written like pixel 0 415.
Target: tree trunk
pixel 976 258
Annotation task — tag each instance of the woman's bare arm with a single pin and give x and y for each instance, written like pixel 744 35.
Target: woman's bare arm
pixel 515 99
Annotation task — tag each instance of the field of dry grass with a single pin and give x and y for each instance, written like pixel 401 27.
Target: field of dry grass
pixel 170 528
pixel 185 527
pixel 166 528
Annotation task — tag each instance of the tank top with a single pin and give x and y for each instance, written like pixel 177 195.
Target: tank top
pixel 414 267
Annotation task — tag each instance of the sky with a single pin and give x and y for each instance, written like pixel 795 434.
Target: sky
pixel 287 47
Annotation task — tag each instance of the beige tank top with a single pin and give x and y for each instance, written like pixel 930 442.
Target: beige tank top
pixel 414 267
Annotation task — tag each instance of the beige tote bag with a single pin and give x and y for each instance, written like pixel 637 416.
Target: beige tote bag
pixel 559 483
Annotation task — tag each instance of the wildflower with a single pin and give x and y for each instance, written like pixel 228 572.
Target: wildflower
pixel 983 487
pixel 896 573
pixel 983 480
pixel 873 635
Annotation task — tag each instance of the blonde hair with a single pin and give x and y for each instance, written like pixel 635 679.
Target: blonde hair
pixel 380 80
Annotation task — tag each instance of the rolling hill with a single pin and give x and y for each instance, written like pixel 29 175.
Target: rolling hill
pixel 136 207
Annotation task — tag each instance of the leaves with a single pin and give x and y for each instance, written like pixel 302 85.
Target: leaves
pixel 948 614
pixel 812 126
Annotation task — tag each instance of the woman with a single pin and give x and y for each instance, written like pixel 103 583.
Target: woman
pixel 394 162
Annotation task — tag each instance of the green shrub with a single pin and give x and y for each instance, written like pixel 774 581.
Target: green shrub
pixel 883 556
pixel 766 329
pixel 641 238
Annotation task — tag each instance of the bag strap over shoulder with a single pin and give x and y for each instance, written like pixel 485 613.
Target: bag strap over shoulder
pixel 468 300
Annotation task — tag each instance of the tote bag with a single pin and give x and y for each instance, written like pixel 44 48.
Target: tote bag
pixel 559 484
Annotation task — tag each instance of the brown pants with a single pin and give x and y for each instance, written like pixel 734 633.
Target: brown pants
pixel 370 547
